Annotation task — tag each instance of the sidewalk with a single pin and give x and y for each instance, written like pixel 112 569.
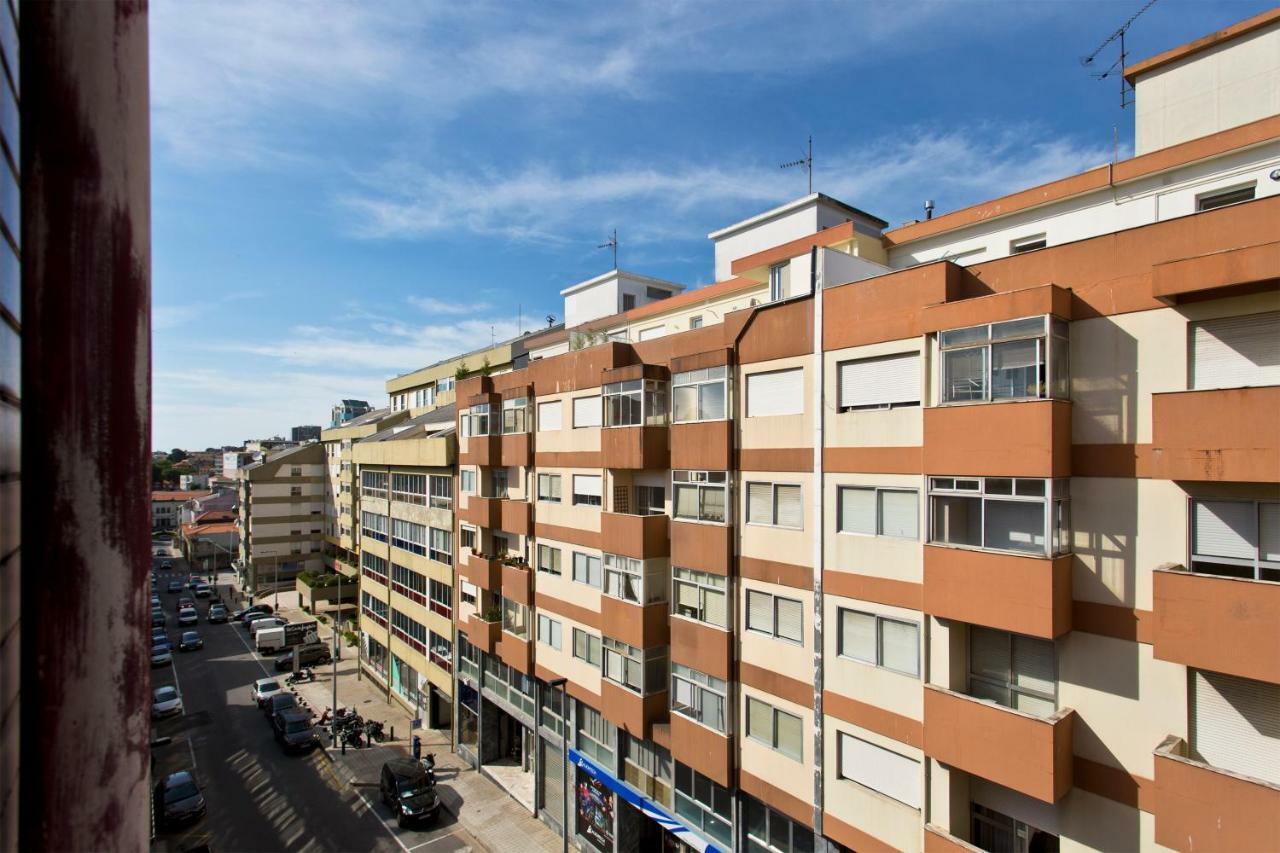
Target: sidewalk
pixel 484 809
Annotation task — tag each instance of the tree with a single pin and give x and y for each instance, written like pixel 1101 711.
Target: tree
pixel 461 372
pixel 177 454
pixel 485 367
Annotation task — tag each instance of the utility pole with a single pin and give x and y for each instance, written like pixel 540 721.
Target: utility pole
pixel 333 723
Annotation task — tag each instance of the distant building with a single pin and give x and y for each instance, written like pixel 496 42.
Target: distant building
pixel 211 541
pixel 281 516
pixel 234 460
pixel 348 409
pixel 167 505
pixel 305 433
pixel 193 481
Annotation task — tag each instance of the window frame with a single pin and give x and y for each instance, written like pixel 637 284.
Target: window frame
pixel 879 491
pixel 437 497
pixel 701 481
pixel 1055 500
pixel 1053 378
pixel 1010 685
pixel 559 559
pixel 573 411
pixel 646 398
pixel 746 386
pixel 691 379
pixel 725 592
pixel 1213 199
pixel 547 497
pixel 880 619
pixel 588 639
pixel 773 616
pixel 546 406
pixel 773 742
pixel 589 499
pixel 1257 566
pixel 374 491
pixel 773 501
pixel 843 408
pixel 554 634
pixel 515 415
pixel 587 558
pixel 701 683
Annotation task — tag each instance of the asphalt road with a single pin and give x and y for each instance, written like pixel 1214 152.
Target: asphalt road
pixel 260 799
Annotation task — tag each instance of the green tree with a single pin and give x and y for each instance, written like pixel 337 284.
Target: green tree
pixel 485 367
pixel 177 454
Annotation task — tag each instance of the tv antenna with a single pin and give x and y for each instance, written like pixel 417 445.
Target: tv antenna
pixel 551 320
pixel 1126 91
pixel 806 162
pixel 612 243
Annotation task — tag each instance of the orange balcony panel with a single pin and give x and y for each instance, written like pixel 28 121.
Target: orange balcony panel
pixel 706 547
pixel 517 584
pixel 484 573
pixel 706 445
pixel 1014 439
pixel 482 450
pixel 482 512
pixel 483 635
pixel 635 447
pixel 1224 624
pixel 517 449
pixel 639 536
pixel 516 517
pixel 1201 808
pixel 995 307
pixel 707 751
pixel 702 647
pixel 516 652
pixel 1028 754
pixel 1218 273
pixel 938 840
pixel 631 711
pixel 1228 435
pixel 642 627
pixel 1023 594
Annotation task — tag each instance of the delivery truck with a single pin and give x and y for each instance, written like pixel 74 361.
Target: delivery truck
pixel 270 640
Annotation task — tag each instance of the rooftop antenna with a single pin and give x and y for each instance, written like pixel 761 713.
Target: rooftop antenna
pixel 806 162
pixel 1126 91
pixel 612 243
pixel 551 320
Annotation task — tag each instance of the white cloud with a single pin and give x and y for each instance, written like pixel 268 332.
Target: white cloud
pixel 432 305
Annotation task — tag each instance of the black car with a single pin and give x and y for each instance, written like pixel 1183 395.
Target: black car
pixel 190 641
pixel 174 586
pixel 178 799
pixel 256 608
pixel 408 791
pixel 278 703
pixel 294 731
pixel 314 654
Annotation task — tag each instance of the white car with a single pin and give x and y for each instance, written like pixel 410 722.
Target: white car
pixel 188 616
pixel 270 622
pixel 165 702
pixel 264 689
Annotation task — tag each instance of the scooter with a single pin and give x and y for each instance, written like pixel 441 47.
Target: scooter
pixel 351 737
pixel 428 762
pixel 302 676
pixel 373 731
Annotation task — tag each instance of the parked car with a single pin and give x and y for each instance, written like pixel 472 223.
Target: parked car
pixel 408 791
pixel 239 615
pixel 203 590
pixel 166 566
pixel 188 616
pixel 313 654
pixel 158 619
pixel 282 701
pixel 161 655
pixel 263 689
pixel 186 601
pixel 165 702
pixel 193 582
pixel 155 601
pixel 294 731
pixel 174 586
pixel 217 614
pixel 190 641
pixel 159 635
pixel 256 625
pixel 248 620
pixel 178 799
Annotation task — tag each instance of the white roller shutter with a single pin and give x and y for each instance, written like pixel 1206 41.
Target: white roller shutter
pixel 759 503
pixel 1233 352
pixel 1225 529
pixel 880 769
pixel 777 393
pixel 790 619
pixel 587 484
pixel 858 511
pixel 876 382
pixel 586 412
pixel 1033 664
pixel 549 417
pixel 760 611
pixel 1235 724
pixel 651 333
pixel 790 506
pixel 1269 535
pixel 899 514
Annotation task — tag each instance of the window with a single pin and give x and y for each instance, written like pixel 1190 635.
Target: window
pixel 586 412
pixel 515 415
pixel 656 293
pixel 634 580
pixel 775 728
pixel 775 504
pixel 596 736
pixel 498 482
pixel 549 559
pixel 1236 352
pixel 1232 723
pixel 467 481
pixel 647 768
pixel 586 647
pixel 1014 360
pixel 880 641
pixel 409 583
pixel 628 301
pixel 695 322
pixel 779 392
pixel 549 416
pixel 409 536
pixel 700 697
pixel 640 671
pixel 468 592
pixel 586 569
pixel 776 616
pixel 548 632
pixel 707 806
pixel 1222 198
pixel 700 595
pixel 886 382
pixel 700 495
pixel 650 333
pixel 441 545
pixel 1013 670
pixel 635 402
pixel 1236 538
pixel 469 538
pixel 441 492
pixel 443 385
pixel 373 607
pixel 995 831
pixel 515 618
pixel 373 525
pixel 441 595
pixel 1001 514
pixel 295 471
pixel 373 484
pixel 879 769
pixel 587 490
pixel 409 630
pixel 1027 244
pixel 699 395
pixel 479 419
pixel 549 488
pixel 875 511
pixel 373 566
pixel 650 500
pixel 441 651
pixel 769 831
pixel 409 488
pixel 777 281
pixel 295 491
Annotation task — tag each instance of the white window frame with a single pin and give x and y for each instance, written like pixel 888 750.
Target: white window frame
pixel 550 631
pixel 697 380
pixel 773 500
pixel 1056 501
pixel 704 689
pixel 1053 357
pixel 773 740
pixel 1213 199
pixel 593 647
pixel 545 551
pixel 593 500
pixel 877 630
pixel 879 492
pixel 543 409
pixel 702 481
pixel 552 496
pixel 843 771
pixel 587 573
pixel 1259 568
pixel 797 409
pixel 700 581
pixel 772 629
pixel 599 420
pixel 904 400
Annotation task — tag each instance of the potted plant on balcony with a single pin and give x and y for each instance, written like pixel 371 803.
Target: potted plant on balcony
pixel 492 613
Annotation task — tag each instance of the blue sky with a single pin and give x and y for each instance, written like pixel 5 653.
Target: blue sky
pixel 345 191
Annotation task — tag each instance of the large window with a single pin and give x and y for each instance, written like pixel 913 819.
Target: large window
pixel 770 831
pixel 515 415
pixel 706 805
pixel 879 769
pixel 549 488
pixel 1235 352
pixel 635 402
pixel 549 559
pixel 586 647
pixel 586 412
pixel 441 545
pixel 1013 670
pixel 373 566
pixel 700 395
pixel 885 382
pixel 549 631
pixel 880 641
pixel 596 736
pixel 778 392
pixel 700 595
pixel 374 608
pixel 634 580
pixel 647 768
pixel 467 481
pixel 587 490
pixel 1001 514
pixel 515 618
pixel 373 484
pixel 775 504
pixel 776 616
pixel 995 831
pixel 373 525
pixel 1013 360
pixel 1236 538
pixel 873 511
pixel 441 595
pixel 478 420
pixel 700 495
pixel 410 630
pixel 441 492
pixel 409 488
pixel 700 697
pixel 775 728
pixel 550 418
pixel 409 536
pixel 586 569
pixel 409 583
pixel 641 671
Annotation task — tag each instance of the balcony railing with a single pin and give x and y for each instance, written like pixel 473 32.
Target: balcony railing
pixel 1200 807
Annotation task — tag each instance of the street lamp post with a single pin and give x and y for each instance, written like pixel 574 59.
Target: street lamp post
pixel 566 790
pixel 333 735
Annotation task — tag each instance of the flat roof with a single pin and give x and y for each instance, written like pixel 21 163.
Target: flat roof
pixel 803 201
pixel 1202 44
pixel 620 273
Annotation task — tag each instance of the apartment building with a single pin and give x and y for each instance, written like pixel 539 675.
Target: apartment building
pixel 281 517
pixel 166 506
pixel 960 535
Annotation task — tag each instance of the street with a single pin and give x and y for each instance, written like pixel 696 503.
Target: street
pixel 258 798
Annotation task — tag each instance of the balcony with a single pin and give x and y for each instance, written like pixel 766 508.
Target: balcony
pixel 1001 439
pixel 482 450
pixel 635 447
pixel 482 512
pixel 482 633
pixel 516 516
pixel 642 627
pixel 1023 594
pixel 704 445
pixel 706 547
pixel 707 751
pixel 1229 625
pixel 516 449
pixel 631 711
pixel 1221 273
pixel 1029 754
pixel 484 572
pixel 1225 435
pixel 517 583
pixel 639 536
pixel 516 652
pixel 702 647
pixel 1198 807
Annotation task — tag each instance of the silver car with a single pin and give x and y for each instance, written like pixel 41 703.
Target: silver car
pixel 165 702
pixel 188 616
pixel 161 655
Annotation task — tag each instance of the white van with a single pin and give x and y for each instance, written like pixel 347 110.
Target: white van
pixel 269 640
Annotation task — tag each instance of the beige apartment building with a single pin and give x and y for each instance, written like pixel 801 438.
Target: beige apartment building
pixel 958 535
pixel 281 517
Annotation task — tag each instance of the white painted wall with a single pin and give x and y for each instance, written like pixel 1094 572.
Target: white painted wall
pixel 599 300
pixel 764 235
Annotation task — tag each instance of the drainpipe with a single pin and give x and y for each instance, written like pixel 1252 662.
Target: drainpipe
pixel 817 505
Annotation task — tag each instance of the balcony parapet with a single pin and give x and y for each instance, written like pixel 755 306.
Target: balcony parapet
pixel 1222 435
pixel 1199 807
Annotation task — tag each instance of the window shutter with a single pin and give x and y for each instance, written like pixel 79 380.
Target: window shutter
pixel 880 770
pixel 651 333
pixel 686 596
pixel 586 412
pixel 686 501
pixel 900 646
pixel 857 510
pixel 775 393
pixel 1233 352
pixel 1033 665
pixel 587 484
pixel 1269 535
pixel 790 734
pixel 549 417
pixel 874 382
pixel 790 506
pixel 759 720
pixel 790 619
pixel 989 653
pixel 858 635
pixel 716 610
pixel 1234 724
pixel 759 503
pixel 1225 529
pixel 760 611
pixel 898 514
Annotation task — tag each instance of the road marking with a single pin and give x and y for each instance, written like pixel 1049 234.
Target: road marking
pixel 385 825
pixel 434 840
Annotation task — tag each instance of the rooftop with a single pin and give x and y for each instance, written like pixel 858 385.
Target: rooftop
pixel 178 495
pixel 436 422
pixel 789 207
pixel 1182 51
pixel 619 273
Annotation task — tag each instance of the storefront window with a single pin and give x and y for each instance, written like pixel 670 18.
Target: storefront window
pixel 706 806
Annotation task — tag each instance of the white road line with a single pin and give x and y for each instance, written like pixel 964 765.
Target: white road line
pixel 434 840
pixel 261 665
pixel 382 821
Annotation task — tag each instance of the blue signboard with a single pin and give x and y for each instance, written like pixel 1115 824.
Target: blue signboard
pixel 647 807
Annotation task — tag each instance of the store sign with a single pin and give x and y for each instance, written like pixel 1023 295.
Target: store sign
pixel 650 809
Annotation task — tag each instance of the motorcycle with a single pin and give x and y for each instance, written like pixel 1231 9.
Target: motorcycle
pixel 351 737
pixel 328 715
pixel 302 676
pixel 373 731
pixel 428 762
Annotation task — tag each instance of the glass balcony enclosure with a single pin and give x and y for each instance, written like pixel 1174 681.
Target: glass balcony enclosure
pixel 700 395
pixel 1015 360
pixel 635 402
pixel 515 415
pixel 1019 514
